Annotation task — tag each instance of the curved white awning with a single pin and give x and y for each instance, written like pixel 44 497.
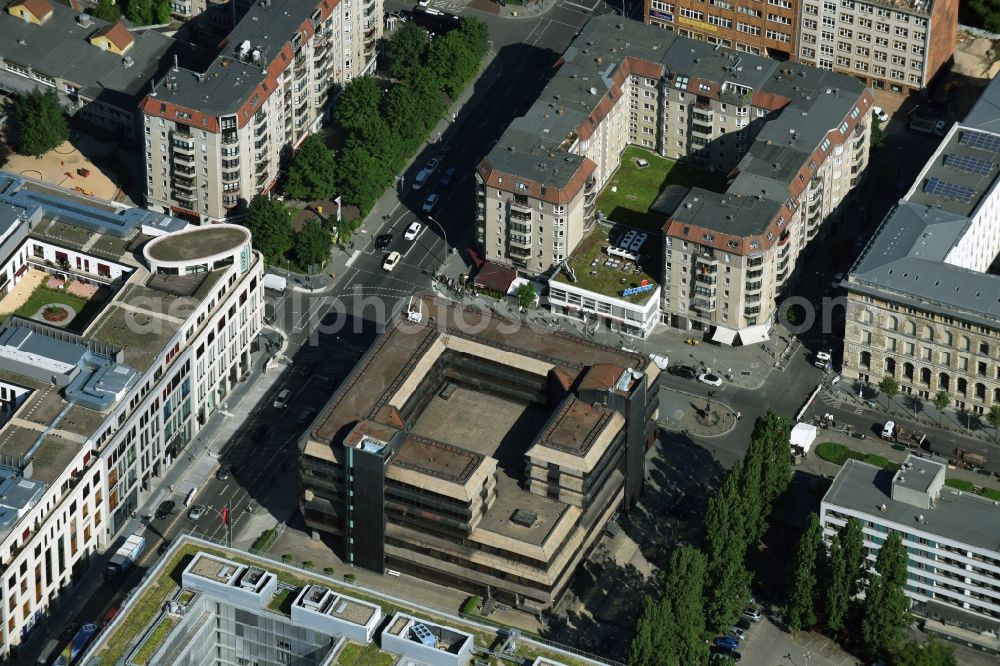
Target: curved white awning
pixel 751 335
pixel 724 336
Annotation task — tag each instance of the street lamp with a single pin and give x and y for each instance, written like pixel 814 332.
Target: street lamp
pixel 444 236
pixel 227 519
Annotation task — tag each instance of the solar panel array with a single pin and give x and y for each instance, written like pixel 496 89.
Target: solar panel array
pixel 949 190
pixel 980 140
pixel 967 164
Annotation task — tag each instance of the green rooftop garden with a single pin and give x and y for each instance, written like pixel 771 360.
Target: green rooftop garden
pixel 282 601
pixel 42 296
pixel 155 639
pixel 355 654
pixel 165 586
pixel 588 263
pixel 638 187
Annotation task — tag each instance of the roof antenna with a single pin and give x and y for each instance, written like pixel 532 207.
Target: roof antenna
pixel 175 63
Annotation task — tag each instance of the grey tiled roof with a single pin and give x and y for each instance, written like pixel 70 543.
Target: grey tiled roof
pixel 59 48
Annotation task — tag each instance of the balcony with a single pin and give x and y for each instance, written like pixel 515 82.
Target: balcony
pixel 706 263
pixel 520 241
pixel 183 157
pixel 229 137
pixel 187 184
pixel 184 199
pixel 704 130
pixel 520 203
pixel 184 170
pixel 183 146
pixel 753 262
pixel 703 103
pixel 703 304
pixel 702 115
pixel 261 129
pixel 783 240
pixel 519 214
pixel 754 286
pixel 181 132
pixel 519 252
pixel 706 278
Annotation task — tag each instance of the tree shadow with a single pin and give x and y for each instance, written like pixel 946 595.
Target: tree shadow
pixel 913 403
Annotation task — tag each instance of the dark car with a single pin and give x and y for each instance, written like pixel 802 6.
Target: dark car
pixel 685 371
pixel 163 547
pixel 223 473
pixel 165 509
pixel 724 652
pixel 382 242
pixel 727 642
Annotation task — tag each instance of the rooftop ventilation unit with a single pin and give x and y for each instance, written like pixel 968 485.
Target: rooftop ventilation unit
pixel 523 517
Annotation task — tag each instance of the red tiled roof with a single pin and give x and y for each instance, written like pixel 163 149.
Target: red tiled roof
pixel 117 34
pixel 495 277
pixel 40 8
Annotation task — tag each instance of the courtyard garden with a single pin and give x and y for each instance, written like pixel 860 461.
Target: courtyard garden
pixel 642 176
pixel 42 297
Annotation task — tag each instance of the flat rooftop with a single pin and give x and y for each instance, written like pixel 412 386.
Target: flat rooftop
pixel 510 498
pixel 438 459
pixel 963 517
pixel 575 426
pixel 598 271
pixel 197 243
pixel 917 473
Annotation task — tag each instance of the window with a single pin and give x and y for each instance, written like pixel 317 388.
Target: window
pixel 691 14
pixel 776 18
pixel 777 36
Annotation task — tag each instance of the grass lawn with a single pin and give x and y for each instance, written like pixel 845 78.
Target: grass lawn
pixel 637 188
pixel 600 278
pixel 838 454
pixel 970 487
pixel 42 296
pixel 354 654
pixel 155 639
pixel 282 601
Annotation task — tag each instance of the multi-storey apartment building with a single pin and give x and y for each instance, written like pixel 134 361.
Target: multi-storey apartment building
pixel 100 71
pixel 97 405
pixel 898 46
pixel 216 138
pixel 479 457
pixel 793 139
pixel 951 537
pixel 923 296
pixel 751 26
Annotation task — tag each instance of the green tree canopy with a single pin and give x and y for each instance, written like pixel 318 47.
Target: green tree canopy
pixel 993 416
pixel 361 175
pixel 106 10
pixel 139 12
pixel 988 13
pixel 312 244
pixel 802 609
pixel 727 582
pixel 312 173
pixel 928 653
pixel 161 11
pixel 886 607
pixel 40 122
pixel 452 62
pixel 838 599
pixel 941 402
pixel 270 224
pixel 476 36
pixel 890 387
pixel 358 104
pixel 405 50
pixel 526 295
pixel 402 115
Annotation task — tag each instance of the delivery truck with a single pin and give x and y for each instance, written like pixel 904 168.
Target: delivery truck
pixel 126 556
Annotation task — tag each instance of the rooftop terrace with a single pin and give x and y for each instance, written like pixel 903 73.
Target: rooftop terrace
pixel 603 273
pixel 197 243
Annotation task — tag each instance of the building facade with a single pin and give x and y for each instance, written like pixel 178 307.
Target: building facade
pixel 792 140
pixel 898 47
pixel 214 139
pixel 953 564
pixel 749 26
pixel 98 407
pixel 491 461
pixel 921 299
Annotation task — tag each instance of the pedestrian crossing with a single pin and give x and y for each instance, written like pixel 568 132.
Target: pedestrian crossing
pixel 450 7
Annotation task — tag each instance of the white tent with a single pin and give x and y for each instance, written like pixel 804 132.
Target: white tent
pixel 803 435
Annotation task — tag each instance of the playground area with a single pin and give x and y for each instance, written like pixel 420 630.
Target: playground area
pixel 69 166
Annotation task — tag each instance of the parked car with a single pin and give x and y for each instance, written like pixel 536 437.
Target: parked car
pixel 744 624
pixel 165 509
pixel 880 114
pixel 727 642
pixel 281 400
pixel 710 379
pixel 223 473
pixel 305 416
pixel 447 176
pixel 433 163
pixel 421 179
pixel 752 614
pixel 196 512
pixel 163 547
pixel 685 371
pixel 430 202
pixel 413 230
pixel 390 261
pixel 382 242
pixel 739 633
pixel 718 654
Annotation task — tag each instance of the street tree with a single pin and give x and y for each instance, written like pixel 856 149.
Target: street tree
pixel 651 645
pixel 993 416
pixel 160 11
pixel 682 592
pixel 405 50
pixel 106 10
pixel 361 177
pixel 941 401
pixel 403 117
pixel 886 607
pixel 988 13
pixel 838 599
pixel 852 539
pixel 802 609
pixel 526 295
pixel 270 224
pixel 358 104
pixel 890 387
pixel 139 12
pixel 427 97
pixel 312 172
pixel 476 36
pixel 40 124
pixel 727 581
pixel 927 653
pixel 752 489
pixel 312 244
pixel 452 62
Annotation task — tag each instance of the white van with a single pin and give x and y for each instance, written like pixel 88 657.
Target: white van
pixel 822 360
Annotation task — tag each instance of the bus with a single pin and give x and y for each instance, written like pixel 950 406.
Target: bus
pixel 76 647
pixel 434 21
